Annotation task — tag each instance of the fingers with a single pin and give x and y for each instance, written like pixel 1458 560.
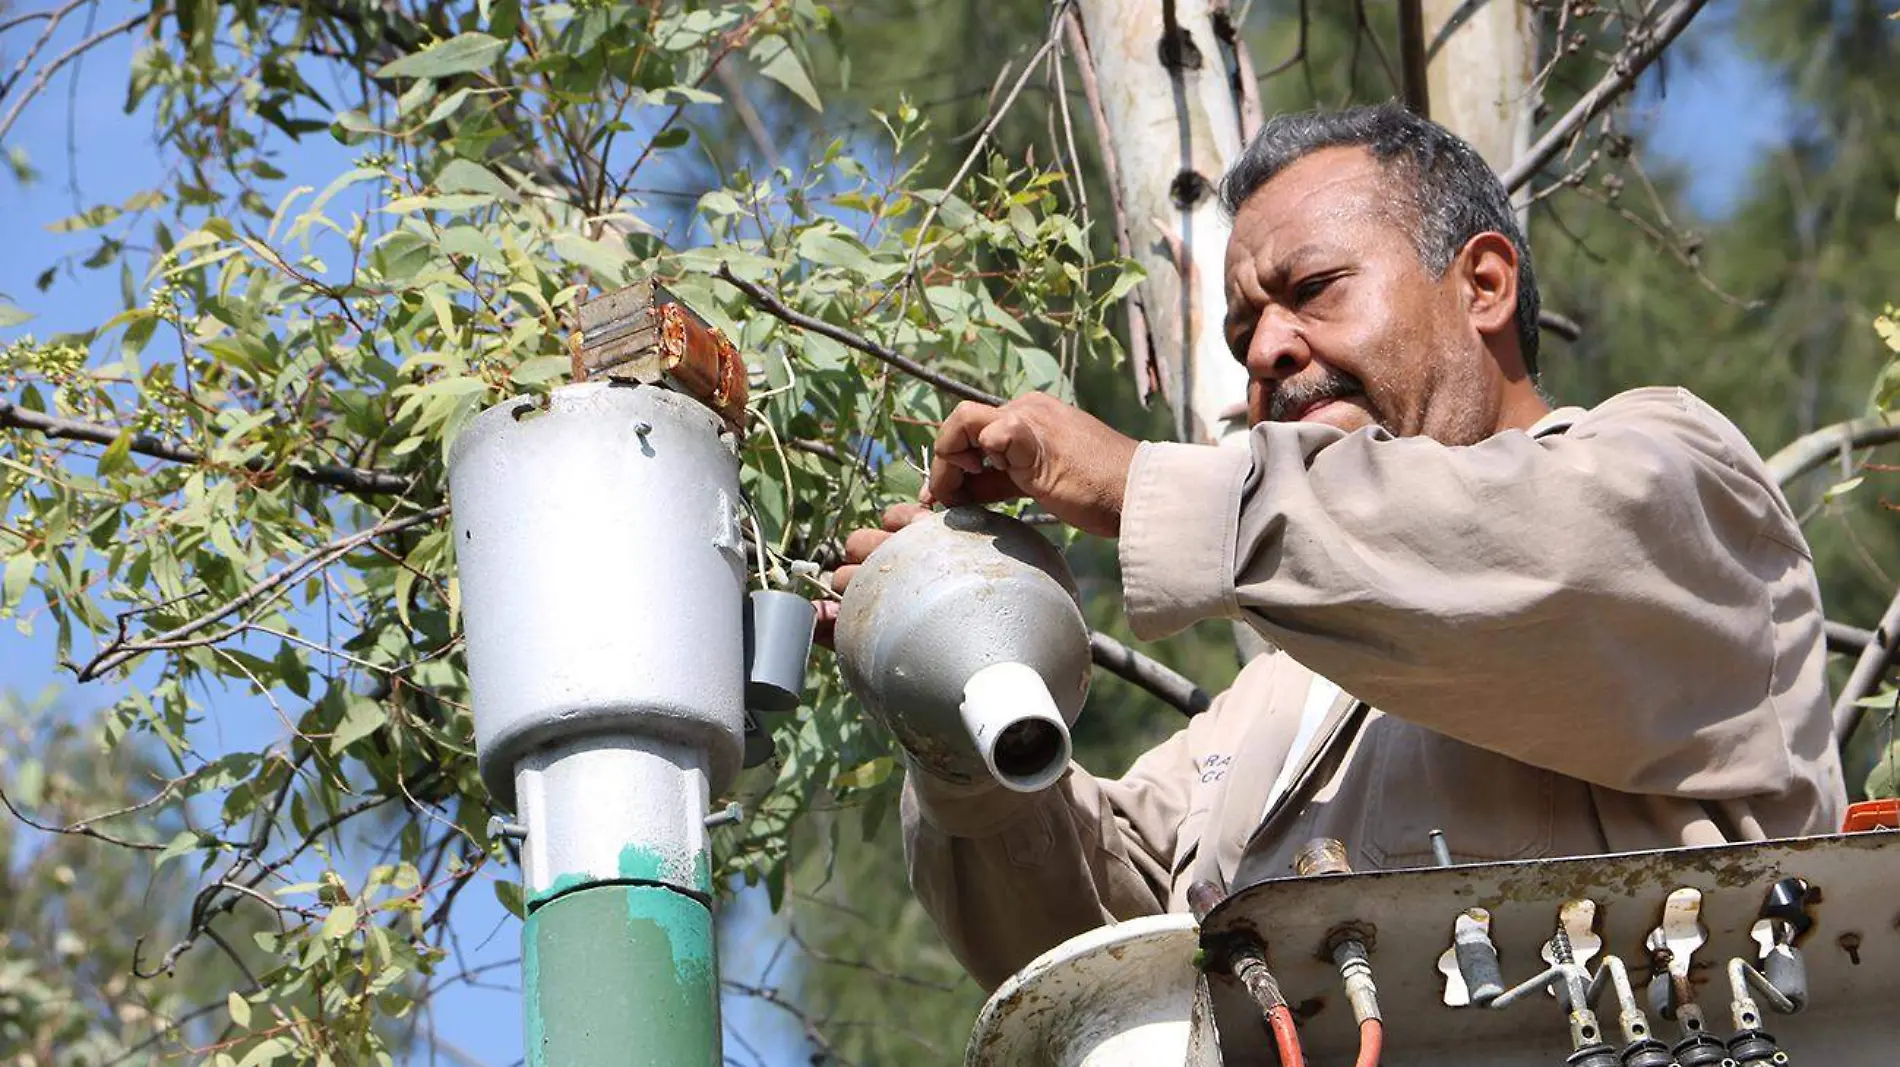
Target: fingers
pixel 957 437
pixel 898 516
pixel 825 630
pixel 861 543
pixel 1012 443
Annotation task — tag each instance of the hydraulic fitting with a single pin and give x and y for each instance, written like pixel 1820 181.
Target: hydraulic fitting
pixel 1752 1048
pixel 1356 971
pixel 1596 1055
pixel 1699 1050
pixel 1647 1052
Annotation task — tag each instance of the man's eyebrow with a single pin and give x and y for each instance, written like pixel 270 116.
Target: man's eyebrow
pixel 1289 264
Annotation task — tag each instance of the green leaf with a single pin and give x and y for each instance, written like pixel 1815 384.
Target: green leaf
pixel 239 1008
pixel 778 61
pixel 340 923
pixel 446 106
pixel 608 261
pixel 117 458
pixel 460 54
pixel 508 892
pixel 541 369
pixel 867 775
pixel 1841 489
pixel 464 176
pixel 183 843
pixel 267 1052
pixel 19 574
pixel 86 220
pixel 11 314
pixel 361 718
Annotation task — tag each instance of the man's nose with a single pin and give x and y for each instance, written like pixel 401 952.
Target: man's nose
pixel 1278 349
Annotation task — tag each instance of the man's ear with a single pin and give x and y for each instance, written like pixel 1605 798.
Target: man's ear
pixel 1486 269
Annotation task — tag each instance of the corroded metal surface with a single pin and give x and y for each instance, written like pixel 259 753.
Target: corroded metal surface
pixel 643 333
pixel 1126 994
pixel 939 601
pixel 1847 1023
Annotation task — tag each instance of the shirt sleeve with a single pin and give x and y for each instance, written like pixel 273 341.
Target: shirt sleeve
pixel 1006 876
pixel 1595 602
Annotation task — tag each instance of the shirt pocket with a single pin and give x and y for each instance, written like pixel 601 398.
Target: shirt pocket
pixel 1491 807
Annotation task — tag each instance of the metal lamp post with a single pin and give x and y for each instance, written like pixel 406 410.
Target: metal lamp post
pixel 599 540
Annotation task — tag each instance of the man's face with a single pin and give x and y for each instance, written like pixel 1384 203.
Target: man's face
pixel 1338 321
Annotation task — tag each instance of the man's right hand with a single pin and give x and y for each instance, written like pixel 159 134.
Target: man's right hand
pixel 857 547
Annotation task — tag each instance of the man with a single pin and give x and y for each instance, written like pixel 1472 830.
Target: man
pixel 1547 632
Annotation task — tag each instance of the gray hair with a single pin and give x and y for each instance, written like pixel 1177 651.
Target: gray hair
pixel 1452 194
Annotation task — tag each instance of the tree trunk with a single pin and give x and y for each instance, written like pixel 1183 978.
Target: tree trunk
pixel 1157 73
pixel 1480 72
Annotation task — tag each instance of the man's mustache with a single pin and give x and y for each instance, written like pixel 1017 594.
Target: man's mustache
pixel 1290 399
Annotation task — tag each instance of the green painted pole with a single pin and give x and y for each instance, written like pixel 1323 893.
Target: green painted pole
pixel 621 975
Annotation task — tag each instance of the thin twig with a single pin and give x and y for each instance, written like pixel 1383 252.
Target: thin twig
pixel 1644 44
pixel 1299 49
pixel 982 140
pixel 1872 666
pixel 78 829
pixel 46 73
pixel 766 301
pixel 33 51
pixel 13 416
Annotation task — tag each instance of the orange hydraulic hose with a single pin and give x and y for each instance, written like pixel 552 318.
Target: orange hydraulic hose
pixel 1286 1038
pixel 1371 1043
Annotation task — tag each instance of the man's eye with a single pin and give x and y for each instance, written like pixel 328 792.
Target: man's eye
pixel 1312 288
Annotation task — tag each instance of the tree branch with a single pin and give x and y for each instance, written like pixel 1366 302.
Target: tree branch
pixel 982 140
pixel 1810 451
pixel 121 651
pixel 1561 325
pixel 1644 44
pixel 1869 669
pixel 1242 79
pixel 46 73
pixel 1157 678
pixel 351 479
pixel 766 301
pixel 1412 58
pixel 78 829
pixel 1299 49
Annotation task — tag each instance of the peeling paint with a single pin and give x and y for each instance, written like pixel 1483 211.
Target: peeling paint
pixel 621 975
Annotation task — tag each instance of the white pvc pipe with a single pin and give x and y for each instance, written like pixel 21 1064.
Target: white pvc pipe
pixel 1014 723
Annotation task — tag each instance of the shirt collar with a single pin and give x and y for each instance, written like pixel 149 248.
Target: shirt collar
pixel 1556 422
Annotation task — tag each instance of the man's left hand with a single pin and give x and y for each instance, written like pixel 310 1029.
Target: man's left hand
pixel 1071 463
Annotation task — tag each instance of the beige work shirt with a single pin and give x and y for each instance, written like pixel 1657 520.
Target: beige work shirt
pixel 1600 635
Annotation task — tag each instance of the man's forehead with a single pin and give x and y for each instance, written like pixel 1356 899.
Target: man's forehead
pixel 1328 193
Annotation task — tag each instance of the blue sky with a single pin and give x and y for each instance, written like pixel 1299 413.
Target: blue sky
pixel 1719 116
